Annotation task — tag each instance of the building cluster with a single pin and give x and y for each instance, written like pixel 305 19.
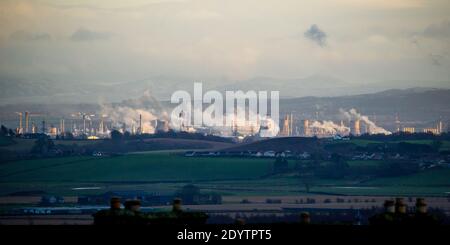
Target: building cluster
pixel 355 127
pixel 438 129
pixel 84 126
pixel 322 129
pixel 91 126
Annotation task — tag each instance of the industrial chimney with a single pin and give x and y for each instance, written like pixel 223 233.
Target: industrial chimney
pixel 27 120
pixel 306 127
pixel 356 130
pixel 140 124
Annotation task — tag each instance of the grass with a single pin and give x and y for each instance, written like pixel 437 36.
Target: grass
pixel 445 146
pixel 364 163
pixel 133 168
pixel 433 177
pixel 363 142
pixel 167 172
pixel 19 145
pixel 385 191
pixel 77 142
pixel 5 141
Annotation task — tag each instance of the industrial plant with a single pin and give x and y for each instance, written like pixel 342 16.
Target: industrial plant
pixel 141 121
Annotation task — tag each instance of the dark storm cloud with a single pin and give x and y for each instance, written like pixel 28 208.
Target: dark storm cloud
pixel 88 35
pixel 440 30
pixel 315 34
pixel 25 36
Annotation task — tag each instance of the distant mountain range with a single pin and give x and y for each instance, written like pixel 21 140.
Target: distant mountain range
pixel 416 107
pixel 310 86
pixel 46 91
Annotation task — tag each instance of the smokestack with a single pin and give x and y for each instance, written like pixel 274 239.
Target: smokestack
pixel 62 127
pixel 356 127
pixel 20 123
pixel 397 122
pixel 27 120
pixel 355 119
pixel 368 129
pixel 291 127
pixel 101 127
pixel 43 127
pixel 235 126
pixel 33 128
pixel 84 123
pixel 140 123
pixel 286 130
pixel 306 127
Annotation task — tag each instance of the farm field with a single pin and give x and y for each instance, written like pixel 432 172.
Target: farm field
pixel 168 171
pixel 362 142
pixel 132 168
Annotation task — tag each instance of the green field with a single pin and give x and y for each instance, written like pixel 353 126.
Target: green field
pixel 5 141
pixel 133 168
pixel 167 171
pixel 363 142
pixel 433 177
pixel 364 163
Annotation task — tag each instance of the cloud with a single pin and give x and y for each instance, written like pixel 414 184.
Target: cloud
pixel 316 35
pixel 382 4
pixel 25 36
pixel 109 5
pixel 439 30
pixel 201 14
pixel 88 35
pixel 437 59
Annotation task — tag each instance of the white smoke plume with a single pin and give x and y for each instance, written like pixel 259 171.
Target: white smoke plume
pixel 330 128
pixel 252 123
pixel 129 113
pixel 130 117
pixel 353 114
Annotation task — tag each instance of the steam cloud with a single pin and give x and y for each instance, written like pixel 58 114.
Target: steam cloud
pixel 128 113
pixel 243 124
pixel 331 128
pixel 353 114
pixel 130 117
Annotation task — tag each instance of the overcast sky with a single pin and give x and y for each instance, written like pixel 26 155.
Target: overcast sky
pixel 111 41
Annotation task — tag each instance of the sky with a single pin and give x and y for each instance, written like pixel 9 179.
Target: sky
pixel 111 41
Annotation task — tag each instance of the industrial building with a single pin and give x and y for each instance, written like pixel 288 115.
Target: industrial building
pixel 92 126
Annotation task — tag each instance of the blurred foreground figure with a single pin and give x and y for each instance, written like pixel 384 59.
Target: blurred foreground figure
pixel 385 218
pixel 132 215
pixel 176 206
pixel 239 221
pixel 111 216
pixel 396 214
pixel 422 217
pixel 401 217
pixel 305 218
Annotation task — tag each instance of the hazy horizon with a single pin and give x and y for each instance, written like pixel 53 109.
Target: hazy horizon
pixel 52 51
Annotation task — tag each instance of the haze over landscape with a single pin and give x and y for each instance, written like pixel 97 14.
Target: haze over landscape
pixel 84 51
